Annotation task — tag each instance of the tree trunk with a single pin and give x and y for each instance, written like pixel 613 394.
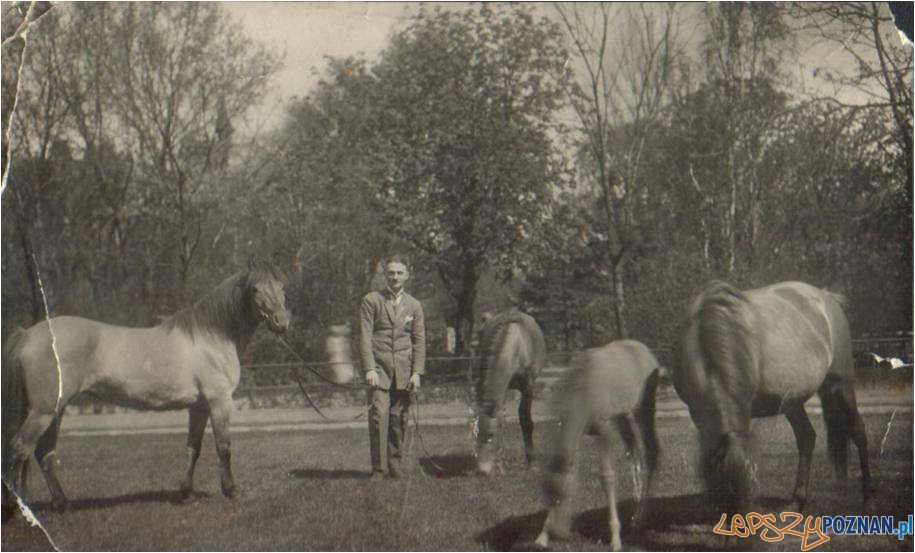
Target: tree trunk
pixel 618 299
pixel 36 302
pixel 731 219
pixel 464 319
pixel 704 226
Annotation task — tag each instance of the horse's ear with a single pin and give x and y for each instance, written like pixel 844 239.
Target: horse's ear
pixel 252 262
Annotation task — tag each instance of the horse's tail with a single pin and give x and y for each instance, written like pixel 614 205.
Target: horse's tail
pixel 15 401
pixel 645 414
pixel 838 419
pixel 724 339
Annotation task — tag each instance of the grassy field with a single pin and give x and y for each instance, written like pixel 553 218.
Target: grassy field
pixel 308 491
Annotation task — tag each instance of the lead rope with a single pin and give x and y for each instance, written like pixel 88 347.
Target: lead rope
pixel 414 407
pixel 298 381
pixel 500 452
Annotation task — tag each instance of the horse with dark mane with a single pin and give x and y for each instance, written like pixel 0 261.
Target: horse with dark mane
pixel 189 361
pixel 514 353
pixel 605 388
pixel 761 353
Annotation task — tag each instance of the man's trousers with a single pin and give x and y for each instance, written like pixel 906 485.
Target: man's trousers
pixel 389 412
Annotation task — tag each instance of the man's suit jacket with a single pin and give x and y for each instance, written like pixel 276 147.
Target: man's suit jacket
pixel 392 340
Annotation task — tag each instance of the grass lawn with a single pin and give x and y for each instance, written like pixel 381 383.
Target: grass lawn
pixel 308 491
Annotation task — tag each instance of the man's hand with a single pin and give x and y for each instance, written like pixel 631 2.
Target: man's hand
pixel 414 383
pixel 371 378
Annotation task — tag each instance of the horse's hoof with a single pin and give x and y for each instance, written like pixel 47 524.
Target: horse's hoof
pixel 59 505
pixel 231 492
pixel 543 540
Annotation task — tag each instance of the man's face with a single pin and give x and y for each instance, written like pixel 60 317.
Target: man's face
pixel 396 275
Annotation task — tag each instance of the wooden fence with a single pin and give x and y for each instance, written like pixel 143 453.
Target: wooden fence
pixel 450 378
pixel 442 370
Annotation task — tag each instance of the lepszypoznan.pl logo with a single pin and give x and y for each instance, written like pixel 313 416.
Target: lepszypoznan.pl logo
pixel 814 531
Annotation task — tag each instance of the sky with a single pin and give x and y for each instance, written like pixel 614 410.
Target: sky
pixel 308 31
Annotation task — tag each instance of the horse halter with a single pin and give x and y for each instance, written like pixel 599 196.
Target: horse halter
pixel 271 319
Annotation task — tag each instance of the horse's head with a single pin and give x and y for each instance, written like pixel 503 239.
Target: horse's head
pixel 717 375
pixel 267 292
pixel 339 354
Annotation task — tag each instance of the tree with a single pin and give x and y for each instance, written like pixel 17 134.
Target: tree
pixel 880 82
pixel 121 144
pixel 881 76
pixel 316 184
pixel 626 61
pixel 461 119
pixel 179 75
pixel 742 55
pixel 36 126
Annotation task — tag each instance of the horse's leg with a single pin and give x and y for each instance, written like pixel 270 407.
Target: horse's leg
pixel 632 436
pixel 806 438
pixel 559 485
pixel 23 445
pixel 608 479
pixel 46 454
pixel 495 388
pixel 197 424
pixel 527 422
pixel 220 410
pixel 859 436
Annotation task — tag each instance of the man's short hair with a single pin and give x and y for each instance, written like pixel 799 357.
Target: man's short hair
pixel 397 258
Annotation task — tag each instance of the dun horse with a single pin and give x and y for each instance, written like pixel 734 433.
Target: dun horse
pixel 762 353
pixel 612 386
pixel 514 353
pixel 189 361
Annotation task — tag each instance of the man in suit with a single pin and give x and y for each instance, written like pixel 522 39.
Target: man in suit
pixel 392 345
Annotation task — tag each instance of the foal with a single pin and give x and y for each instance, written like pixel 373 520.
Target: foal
pixel 612 386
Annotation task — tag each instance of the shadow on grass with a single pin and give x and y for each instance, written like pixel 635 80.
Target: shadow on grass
pixel 662 515
pixel 173 497
pixel 514 533
pixel 448 466
pixel 327 474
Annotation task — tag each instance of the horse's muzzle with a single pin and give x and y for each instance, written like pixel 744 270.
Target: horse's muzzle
pixel 279 323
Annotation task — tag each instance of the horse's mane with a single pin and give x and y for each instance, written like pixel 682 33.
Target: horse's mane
pixel 723 356
pixel 216 312
pixel 721 343
pixel 223 310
